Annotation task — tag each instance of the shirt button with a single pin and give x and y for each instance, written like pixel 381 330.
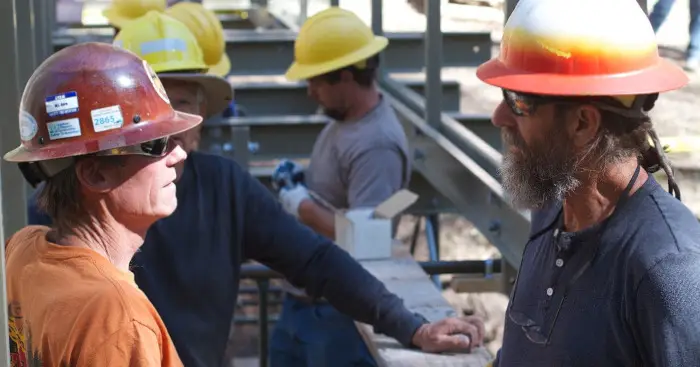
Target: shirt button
pixel 559 263
pixel 550 291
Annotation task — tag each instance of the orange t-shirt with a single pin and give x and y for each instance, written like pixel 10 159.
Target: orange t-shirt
pixel 70 306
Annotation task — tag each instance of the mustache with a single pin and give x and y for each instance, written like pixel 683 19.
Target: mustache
pixel 512 138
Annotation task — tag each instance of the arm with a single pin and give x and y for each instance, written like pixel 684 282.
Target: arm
pixel 667 308
pixel 276 239
pixel 134 345
pixel 373 177
pixel 317 217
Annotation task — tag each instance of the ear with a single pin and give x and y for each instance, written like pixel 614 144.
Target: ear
pixel 584 125
pixel 94 175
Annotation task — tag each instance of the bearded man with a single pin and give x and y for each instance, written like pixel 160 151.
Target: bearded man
pixel 609 276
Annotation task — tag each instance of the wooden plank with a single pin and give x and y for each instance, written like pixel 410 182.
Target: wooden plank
pixel 473 283
pixel 404 277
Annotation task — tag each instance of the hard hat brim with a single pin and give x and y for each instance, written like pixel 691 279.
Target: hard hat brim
pixel 133 135
pixel 217 91
pixel 115 18
pixel 299 71
pixel 662 77
pixel 221 68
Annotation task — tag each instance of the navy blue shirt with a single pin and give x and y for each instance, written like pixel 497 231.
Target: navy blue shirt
pixel 189 265
pixel 638 304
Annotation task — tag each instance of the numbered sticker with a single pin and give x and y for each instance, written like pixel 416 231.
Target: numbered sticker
pixel 63 129
pixel 27 126
pixel 62 104
pixel 157 84
pixel 107 118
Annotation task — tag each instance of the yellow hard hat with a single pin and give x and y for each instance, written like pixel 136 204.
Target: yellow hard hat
pixel 120 12
pixel 163 41
pixel 174 54
pixel 222 67
pixel 331 40
pixel 208 31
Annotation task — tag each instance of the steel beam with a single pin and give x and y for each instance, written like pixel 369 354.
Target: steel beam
pixel 433 57
pixel 276 136
pixel 377 17
pixel 482 127
pixel 255 53
pixel 270 137
pixel 477 195
pixel 480 151
pixel 11 183
pixel 26 37
pixel 510 6
pixel 284 98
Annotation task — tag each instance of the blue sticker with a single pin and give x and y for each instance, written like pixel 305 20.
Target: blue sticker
pixel 62 104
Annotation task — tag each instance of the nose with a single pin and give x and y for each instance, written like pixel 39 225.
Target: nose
pixel 503 116
pixel 175 156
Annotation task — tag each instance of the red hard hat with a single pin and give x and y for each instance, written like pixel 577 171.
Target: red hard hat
pixel 93 97
pixel 580 48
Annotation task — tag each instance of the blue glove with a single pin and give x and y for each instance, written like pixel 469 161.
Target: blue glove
pixel 287 175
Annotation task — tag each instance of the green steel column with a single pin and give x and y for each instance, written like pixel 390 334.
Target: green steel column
pixel 377 17
pixel 433 64
pixel 510 5
pixel 9 138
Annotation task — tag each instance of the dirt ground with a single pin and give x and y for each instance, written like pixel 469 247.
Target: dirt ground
pixel 676 114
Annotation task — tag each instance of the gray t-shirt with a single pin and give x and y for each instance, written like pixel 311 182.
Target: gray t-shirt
pixel 359 163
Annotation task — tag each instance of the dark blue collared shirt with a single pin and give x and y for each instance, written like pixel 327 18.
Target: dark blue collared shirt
pixel 638 304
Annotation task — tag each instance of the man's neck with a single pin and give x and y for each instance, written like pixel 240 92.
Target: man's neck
pixel 109 238
pixel 596 198
pixel 365 102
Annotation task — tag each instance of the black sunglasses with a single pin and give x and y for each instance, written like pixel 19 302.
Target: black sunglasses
pixel 153 148
pixel 525 104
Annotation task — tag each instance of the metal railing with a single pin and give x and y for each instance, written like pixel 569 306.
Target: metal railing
pixel 262 275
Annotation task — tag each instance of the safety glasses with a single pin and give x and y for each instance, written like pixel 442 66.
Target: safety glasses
pixel 153 148
pixel 525 104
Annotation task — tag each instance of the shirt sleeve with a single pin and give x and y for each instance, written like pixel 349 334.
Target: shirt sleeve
pixel 374 176
pixel 134 345
pixel 309 260
pixel 668 312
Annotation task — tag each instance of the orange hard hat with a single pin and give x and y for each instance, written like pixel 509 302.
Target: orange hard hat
pixel 93 97
pixel 580 48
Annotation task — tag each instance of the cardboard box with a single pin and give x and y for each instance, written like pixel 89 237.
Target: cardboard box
pixel 366 233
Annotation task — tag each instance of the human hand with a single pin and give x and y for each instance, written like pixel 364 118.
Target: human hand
pixel 450 335
pixel 291 198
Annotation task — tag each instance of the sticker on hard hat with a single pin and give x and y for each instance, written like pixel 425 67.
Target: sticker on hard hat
pixel 27 126
pixel 63 129
pixel 157 85
pixel 107 118
pixel 62 104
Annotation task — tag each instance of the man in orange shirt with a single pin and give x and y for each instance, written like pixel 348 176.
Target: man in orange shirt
pixel 95 123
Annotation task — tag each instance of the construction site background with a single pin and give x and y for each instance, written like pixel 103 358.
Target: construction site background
pixel 676 114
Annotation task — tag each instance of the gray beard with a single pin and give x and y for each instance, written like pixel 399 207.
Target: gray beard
pixel 533 177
